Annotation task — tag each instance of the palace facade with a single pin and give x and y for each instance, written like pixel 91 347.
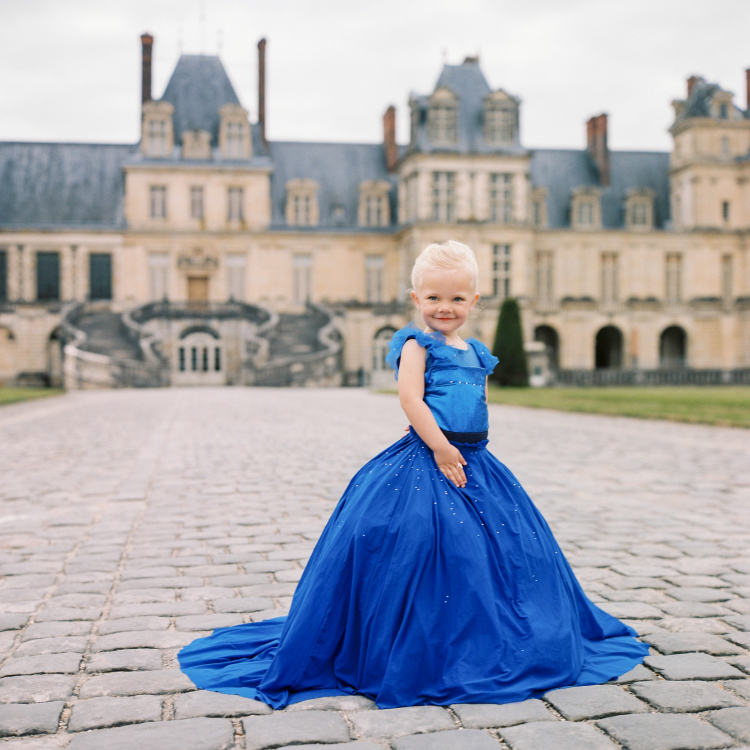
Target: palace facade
pixel 206 253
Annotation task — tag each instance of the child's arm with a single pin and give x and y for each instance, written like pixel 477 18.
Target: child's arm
pixel 411 395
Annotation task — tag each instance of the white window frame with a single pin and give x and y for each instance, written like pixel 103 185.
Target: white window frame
pixel 673 278
pixel 501 271
pixel 374 272
pixel 157 137
pixel 501 197
pixel 197 202
pixel 235 204
pixel 158 272
pixel 158 201
pixel 444 196
pixel 303 265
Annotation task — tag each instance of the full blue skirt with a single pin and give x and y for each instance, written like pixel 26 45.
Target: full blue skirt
pixel 417 593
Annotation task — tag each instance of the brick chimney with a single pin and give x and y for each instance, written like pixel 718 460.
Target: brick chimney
pixel 691 84
pixel 262 89
pixel 147 44
pixel 389 138
pixel 596 144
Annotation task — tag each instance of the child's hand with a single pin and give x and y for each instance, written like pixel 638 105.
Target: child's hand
pixel 451 463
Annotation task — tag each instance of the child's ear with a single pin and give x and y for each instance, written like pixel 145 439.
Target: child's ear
pixel 414 298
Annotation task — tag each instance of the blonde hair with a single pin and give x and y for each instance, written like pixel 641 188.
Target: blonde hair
pixel 448 255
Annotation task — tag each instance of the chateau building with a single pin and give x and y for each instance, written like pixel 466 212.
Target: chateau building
pixel 206 253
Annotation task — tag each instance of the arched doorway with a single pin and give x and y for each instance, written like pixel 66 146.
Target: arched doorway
pixel 608 348
pixel 381 374
pixel 551 340
pixel 673 347
pixel 199 357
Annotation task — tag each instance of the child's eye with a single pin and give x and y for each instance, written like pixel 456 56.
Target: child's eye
pixel 432 297
pixel 458 299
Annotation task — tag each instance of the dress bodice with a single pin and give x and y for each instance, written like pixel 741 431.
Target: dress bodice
pixel 454 387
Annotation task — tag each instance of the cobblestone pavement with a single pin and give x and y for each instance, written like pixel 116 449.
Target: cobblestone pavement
pixel 132 522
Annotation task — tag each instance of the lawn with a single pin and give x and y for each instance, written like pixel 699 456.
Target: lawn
pixel 14 395
pixel 726 406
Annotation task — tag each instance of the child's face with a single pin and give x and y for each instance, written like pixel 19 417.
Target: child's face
pixel 445 299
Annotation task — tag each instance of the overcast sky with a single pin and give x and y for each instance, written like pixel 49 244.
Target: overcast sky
pixel 70 69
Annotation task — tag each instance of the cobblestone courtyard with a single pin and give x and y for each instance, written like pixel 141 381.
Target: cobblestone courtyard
pixel 132 522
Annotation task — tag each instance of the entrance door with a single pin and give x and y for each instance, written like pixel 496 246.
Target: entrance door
pixel 197 289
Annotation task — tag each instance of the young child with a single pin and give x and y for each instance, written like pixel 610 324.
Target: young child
pixel 436 580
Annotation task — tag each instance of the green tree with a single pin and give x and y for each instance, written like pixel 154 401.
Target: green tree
pixel 512 368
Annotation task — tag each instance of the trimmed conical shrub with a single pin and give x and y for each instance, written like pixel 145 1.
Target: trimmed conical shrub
pixel 512 368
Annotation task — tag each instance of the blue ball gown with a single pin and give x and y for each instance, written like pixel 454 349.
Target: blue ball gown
pixel 421 593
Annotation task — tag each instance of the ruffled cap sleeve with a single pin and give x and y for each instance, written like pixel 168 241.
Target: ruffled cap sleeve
pixel 396 344
pixel 487 359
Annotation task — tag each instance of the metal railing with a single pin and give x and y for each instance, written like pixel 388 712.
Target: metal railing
pixel 676 376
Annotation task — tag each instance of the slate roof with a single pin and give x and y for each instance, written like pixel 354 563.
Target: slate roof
pixel 198 88
pixel 56 185
pixel 561 171
pixel 698 104
pixel 470 86
pixel 338 168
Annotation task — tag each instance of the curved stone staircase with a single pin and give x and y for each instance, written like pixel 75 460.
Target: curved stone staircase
pixel 110 349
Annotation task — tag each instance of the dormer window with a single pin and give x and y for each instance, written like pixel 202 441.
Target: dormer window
pixel 586 209
pixel 374 208
pixel 302 203
pixel 500 119
pixel 157 136
pixel 234 132
pixel 723 111
pixel 639 209
pixel 538 207
pixel 196 144
pixel 442 117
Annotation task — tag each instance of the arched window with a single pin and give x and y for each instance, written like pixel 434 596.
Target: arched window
pixel 549 337
pixel 608 348
pixel 673 347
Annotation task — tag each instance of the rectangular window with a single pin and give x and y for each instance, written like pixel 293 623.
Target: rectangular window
pixel 374 210
pixel 544 278
pixel 217 359
pixel 235 140
pixel 501 198
pixel 302 211
pixel 586 213
pixel 726 280
pixel 609 278
pixel 182 359
pixel 374 265
pixel 411 198
pixel 48 276
pixel 194 358
pixel 442 122
pixel 158 202
pixel 158 268
pixel 204 359
pixel 3 275
pixel 302 278
pixel 499 125
pixel 725 210
pixel 235 199
pixel 100 276
pixel 639 214
pixel 443 196
pixel 673 278
pixel 726 151
pixel 236 277
pixel 501 271
pixel 157 137
pixel 196 203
